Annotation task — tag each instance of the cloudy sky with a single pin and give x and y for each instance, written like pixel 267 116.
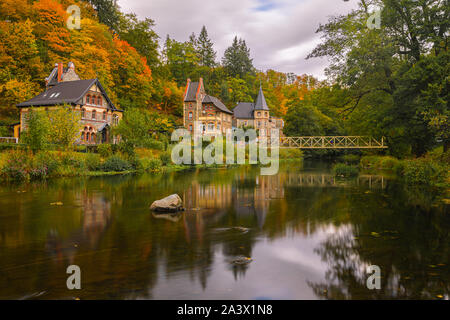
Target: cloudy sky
pixel 280 33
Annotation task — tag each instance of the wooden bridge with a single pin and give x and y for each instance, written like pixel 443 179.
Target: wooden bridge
pixel 332 142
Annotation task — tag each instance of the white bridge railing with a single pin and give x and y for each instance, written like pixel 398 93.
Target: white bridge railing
pixel 332 142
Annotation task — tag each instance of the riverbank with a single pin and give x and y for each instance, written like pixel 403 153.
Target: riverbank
pixel 433 169
pixel 22 165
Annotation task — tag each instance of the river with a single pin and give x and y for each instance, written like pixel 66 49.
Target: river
pixel 308 235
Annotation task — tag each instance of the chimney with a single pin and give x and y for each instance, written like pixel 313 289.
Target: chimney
pixel 60 71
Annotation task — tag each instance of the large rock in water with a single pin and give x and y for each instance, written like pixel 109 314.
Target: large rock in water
pixel 171 203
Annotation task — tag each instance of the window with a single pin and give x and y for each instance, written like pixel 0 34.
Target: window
pixel 82 135
pixel 99 100
pixel 83 113
pixel 266 114
pixel 245 123
pixel 88 136
pixel 88 99
pixel 210 115
pixel 218 126
pixel 115 119
pixel 259 114
pixel 94 115
pixel 104 115
pixel 190 127
pixel 92 137
pixel 259 124
pixel 190 115
pixel 210 126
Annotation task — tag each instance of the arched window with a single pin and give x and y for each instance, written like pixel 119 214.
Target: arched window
pixel 104 115
pixel 83 113
pixel 94 115
pixel 82 136
pixel 88 136
pixel 210 126
pixel 92 137
pixel 190 115
pixel 190 127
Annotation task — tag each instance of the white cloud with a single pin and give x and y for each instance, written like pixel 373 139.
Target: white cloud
pixel 280 33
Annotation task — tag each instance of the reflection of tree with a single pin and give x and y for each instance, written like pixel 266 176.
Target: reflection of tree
pixel 411 257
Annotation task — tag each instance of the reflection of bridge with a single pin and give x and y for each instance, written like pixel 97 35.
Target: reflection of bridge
pixel 332 142
pixel 324 180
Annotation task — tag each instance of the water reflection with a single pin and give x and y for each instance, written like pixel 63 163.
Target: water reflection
pixel 309 235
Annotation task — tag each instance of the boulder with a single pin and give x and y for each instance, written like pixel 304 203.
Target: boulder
pixel 171 203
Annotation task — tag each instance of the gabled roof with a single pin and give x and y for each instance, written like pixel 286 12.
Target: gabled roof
pixel 69 92
pixel 191 92
pixel 217 103
pixel 261 103
pixel 244 110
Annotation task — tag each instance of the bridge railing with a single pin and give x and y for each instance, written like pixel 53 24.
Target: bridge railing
pixel 332 142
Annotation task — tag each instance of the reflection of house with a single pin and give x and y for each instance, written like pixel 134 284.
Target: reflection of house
pixel 256 115
pixel 208 112
pixel 64 87
pixel 208 196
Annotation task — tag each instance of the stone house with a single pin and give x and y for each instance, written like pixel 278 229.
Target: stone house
pixel 256 115
pixel 64 87
pixel 208 112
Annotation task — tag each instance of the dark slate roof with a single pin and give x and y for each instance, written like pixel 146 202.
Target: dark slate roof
pixel 244 110
pixel 217 103
pixel 261 103
pixel 70 92
pixel 191 94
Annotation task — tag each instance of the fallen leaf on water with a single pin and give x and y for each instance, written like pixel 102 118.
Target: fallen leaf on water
pixel 56 204
pixel 375 234
pixel 440 296
pixel 432 266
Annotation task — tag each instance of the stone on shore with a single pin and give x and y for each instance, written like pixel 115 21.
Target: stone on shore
pixel 171 203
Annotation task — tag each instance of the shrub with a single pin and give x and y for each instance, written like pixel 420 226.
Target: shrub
pixel 17 166
pixel 115 163
pixel 351 158
pixel 93 162
pixel 48 160
pixel 424 171
pixel 153 144
pixel 104 150
pixel 379 162
pixel 343 170
pixel 73 159
pixel 289 154
pixel 127 148
pixel 166 158
pixel 149 164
